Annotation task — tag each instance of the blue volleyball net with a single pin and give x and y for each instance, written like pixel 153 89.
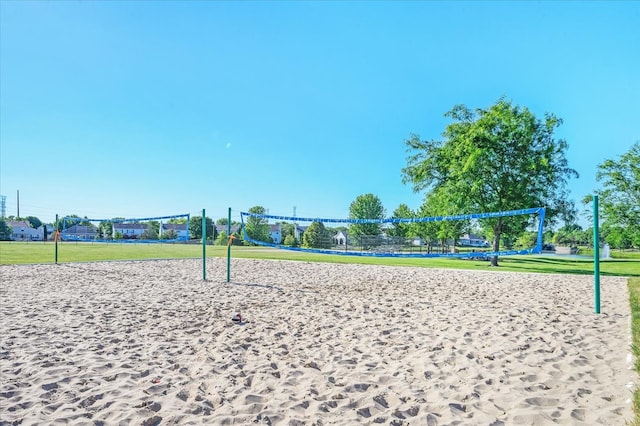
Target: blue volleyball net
pixel 165 229
pixel 460 236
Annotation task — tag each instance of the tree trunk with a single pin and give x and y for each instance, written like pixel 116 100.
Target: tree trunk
pixel 496 247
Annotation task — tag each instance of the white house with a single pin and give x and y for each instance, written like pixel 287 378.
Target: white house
pixel 49 229
pixel 275 232
pixel 417 241
pixel 21 230
pixel 298 231
pixel 79 232
pixel 179 228
pixel 341 238
pixel 471 240
pixel 223 228
pixel 129 230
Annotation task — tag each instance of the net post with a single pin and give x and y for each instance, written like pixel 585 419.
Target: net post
pixel 596 256
pixel 229 246
pixel 204 246
pixel 541 216
pixel 186 238
pixel 56 240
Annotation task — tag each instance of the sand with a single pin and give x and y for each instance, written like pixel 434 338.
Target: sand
pixel 148 342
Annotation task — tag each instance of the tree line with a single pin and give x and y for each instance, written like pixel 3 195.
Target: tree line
pixel 504 158
pixel 490 159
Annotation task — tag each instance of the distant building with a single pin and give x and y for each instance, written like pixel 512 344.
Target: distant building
pixel 21 230
pixel 223 228
pixel 179 228
pixel 49 229
pixel 129 230
pixel 298 231
pixel 341 238
pixel 79 232
pixel 471 240
pixel 275 232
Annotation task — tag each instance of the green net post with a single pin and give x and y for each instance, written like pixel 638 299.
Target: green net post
pixel 56 241
pixel 229 246
pixel 204 246
pixel 596 256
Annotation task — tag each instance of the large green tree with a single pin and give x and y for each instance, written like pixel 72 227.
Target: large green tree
pixel 401 229
pixel 34 221
pixel 366 206
pixel 619 199
pixel 150 233
pixel 5 230
pixel 288 233
pixel 258 227
pixel 494 159
pixel 317 236
pixel 195 227
pixel 105 229
pixel 436 203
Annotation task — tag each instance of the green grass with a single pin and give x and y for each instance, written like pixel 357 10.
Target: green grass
pixel 39 252
pixel 615 254
pixel 626 255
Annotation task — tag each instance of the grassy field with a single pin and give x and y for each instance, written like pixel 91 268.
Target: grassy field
pixel 39 252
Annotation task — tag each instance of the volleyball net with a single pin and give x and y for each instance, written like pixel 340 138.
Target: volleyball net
pixel 459 236
pixel 166 229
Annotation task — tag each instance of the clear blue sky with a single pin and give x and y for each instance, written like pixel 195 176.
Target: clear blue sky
pixel 139 109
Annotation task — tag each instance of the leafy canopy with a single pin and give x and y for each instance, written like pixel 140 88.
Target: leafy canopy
pixel 258 227
pixel 436 204
pixel 401 229
pixel 366 206
pixel 494 159
pixel 619 199
pixel 317 236
pixel 5 230
pixel 195 227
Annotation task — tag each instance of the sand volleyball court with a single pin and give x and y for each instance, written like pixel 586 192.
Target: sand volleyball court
pixel 148 342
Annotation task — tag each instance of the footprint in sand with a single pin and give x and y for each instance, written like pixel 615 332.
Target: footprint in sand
pixel 542 401
pixel 364 412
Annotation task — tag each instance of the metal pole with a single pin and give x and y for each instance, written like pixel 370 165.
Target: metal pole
pixel 596 256
pixel 229 246
pixel 56 240
pixel 204 246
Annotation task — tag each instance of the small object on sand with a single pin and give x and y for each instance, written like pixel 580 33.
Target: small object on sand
pixel 237 318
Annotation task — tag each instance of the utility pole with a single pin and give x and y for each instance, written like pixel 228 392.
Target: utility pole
pixel 295 224
pixel 18 204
